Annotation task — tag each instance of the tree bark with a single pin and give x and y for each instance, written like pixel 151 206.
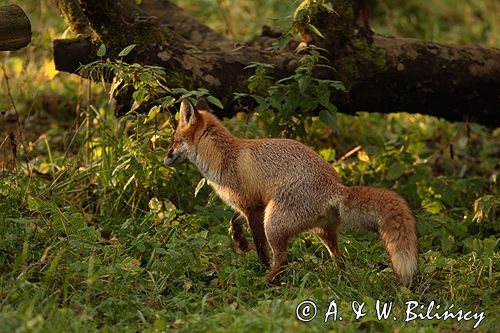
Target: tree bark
pixel 15 28
pixel 382 74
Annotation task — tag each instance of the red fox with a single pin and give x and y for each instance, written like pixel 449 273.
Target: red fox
pixel 282 188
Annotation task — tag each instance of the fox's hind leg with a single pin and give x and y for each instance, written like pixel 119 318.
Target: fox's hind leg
pixel 278 242
pixel 329 236
pixel 240 242
pixel 329 232
pixel 278 233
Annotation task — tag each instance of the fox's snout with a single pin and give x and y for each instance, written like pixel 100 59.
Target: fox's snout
pixel 176 155
pixel 172 160
pixel 181 145
pixel 169 158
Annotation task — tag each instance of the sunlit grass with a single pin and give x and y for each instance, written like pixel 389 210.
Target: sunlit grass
pixel 101 237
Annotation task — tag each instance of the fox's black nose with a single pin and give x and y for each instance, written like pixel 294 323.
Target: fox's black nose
pixel 170 153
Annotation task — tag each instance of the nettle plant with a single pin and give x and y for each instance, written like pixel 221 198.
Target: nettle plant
pixel 148 82
pixel 286 107
pixel 130 148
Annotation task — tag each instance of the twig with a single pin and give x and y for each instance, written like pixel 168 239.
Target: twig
pixel 87 128
pixel 350 152
pixel 79 105
pixel 1 145
pixel 20 127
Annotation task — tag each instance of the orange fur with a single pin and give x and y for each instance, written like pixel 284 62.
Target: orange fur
pixel 283 188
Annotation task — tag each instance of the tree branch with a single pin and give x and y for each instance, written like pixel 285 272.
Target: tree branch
pixel 383 74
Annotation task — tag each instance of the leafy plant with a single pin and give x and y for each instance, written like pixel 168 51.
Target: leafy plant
pixel 285 107
pixel 146 82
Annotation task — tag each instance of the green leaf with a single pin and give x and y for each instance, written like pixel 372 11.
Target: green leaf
pixel 152 113
pixel 102 51
pixel 434 207
pixel 482 246
pixel 261 100
pixel 130 180
pixel 259 65
pixel 300 14
pixel 328 7
pixel 122 166
pixel 178 91
pixel 127 50
pixel 283 41
pixel 200 185
pixel 114 85
pixel 168 102
pixel 395 171
pixel 338 85
pixel 315 30
pixel 304 83
pixel 35 204
pixel 159 325
pixel 134 107
pixel 329 119
pixel 484 207
pixel 215 101
pixel 447 242
pixel 329 106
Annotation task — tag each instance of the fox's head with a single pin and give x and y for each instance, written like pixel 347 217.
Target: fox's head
pixel 182 143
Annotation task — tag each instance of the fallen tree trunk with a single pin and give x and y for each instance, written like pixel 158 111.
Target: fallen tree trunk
pixel 382 74
pixel 447 81
pixel 15 28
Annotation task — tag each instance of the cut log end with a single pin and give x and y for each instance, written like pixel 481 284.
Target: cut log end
pixel 15 28
pixel 69 54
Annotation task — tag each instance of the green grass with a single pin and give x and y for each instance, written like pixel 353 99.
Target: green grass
pixel 81 253
pixel 97 235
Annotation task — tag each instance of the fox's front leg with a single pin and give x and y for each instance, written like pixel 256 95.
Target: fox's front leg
pixel 255 218
pixel 240 242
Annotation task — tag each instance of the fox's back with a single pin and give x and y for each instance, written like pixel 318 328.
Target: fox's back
pixel 283 167
pixel 257 171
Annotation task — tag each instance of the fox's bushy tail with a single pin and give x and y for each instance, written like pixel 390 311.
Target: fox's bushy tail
pixel 388 213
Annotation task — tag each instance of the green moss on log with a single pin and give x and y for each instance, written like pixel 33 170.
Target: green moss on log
pixel 361 63
pixel 355 57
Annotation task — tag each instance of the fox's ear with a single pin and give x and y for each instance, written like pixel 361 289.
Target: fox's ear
pixel 202 105
pixel 188 114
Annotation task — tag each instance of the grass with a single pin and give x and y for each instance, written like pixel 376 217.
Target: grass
pixel 97 235
pixel 72 260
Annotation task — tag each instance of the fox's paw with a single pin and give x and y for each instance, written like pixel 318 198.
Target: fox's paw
pixel 243 246
pixel 240 243
pixel 273 277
